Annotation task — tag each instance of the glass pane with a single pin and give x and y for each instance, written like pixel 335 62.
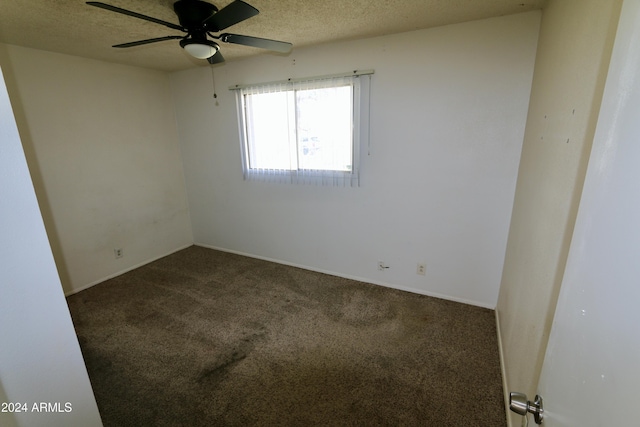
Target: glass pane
pixel 269 131
pixel 325 128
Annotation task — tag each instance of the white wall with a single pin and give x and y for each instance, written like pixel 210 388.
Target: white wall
pixel 40 359
pixel 575 44
pixel 448 109
pixel 102 147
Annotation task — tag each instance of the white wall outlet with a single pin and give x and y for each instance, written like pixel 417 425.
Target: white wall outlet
pixel 117 252
pixel 381 266
pixel 421 269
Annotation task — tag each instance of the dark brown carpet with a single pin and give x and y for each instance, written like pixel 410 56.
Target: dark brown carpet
pixel 206 338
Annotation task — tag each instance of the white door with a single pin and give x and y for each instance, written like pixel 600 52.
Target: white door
pixel 591 371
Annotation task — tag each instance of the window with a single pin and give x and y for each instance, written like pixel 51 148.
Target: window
pixel 304 131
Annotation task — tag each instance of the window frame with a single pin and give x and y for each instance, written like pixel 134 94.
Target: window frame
pixel 360 84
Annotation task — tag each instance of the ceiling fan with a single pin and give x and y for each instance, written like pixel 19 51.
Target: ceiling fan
pixel 200 19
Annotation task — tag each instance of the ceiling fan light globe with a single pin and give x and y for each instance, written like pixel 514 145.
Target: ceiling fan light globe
pixel 201 49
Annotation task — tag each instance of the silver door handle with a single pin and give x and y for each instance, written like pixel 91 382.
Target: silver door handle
pixel 519 404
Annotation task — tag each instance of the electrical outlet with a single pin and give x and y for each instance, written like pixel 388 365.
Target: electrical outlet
pixel 117 252
pixel 381 266
pixel 421 269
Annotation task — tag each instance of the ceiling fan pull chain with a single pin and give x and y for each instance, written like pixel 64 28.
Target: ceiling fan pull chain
pixel 213 79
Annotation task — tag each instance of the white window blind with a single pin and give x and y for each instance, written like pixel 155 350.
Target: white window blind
pixel 304 131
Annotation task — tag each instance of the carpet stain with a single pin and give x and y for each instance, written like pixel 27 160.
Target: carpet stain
pixel 358 308
pixel 218 371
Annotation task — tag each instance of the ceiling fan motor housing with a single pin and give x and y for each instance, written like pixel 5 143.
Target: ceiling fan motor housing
pixel 193 13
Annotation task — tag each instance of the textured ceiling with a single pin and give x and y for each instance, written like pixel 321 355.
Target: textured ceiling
pixel 72 27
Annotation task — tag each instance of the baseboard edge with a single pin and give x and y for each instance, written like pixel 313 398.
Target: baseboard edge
pixel 126 270
pixel 347 276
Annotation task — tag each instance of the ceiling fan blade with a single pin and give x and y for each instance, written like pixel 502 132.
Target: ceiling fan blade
pixel 216 59
pixel 230 15
pixel 135 15
pixel 277 46
pixel 147 41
